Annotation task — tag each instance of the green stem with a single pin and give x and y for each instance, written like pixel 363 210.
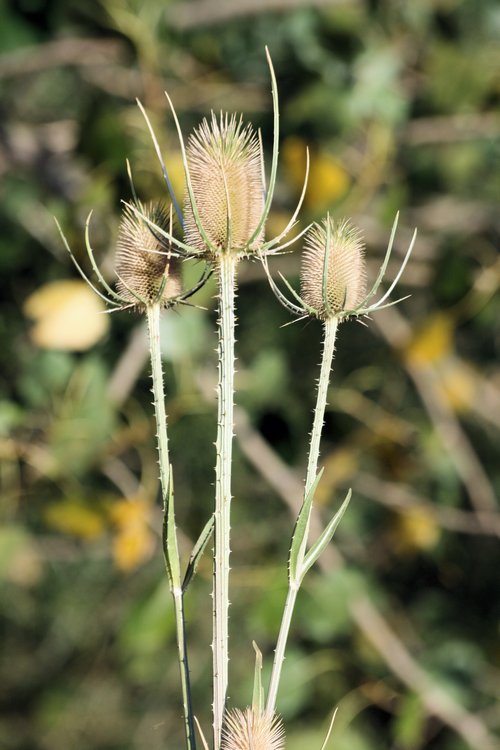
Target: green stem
pixel 330 332
pixel 226 327
pixel 279 654
pixel 153 317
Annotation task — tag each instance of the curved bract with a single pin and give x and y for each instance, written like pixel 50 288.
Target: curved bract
pixel 333 276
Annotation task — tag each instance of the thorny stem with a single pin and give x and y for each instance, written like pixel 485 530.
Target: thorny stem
pixel 153 317
pixel 226 326
pixel 330 332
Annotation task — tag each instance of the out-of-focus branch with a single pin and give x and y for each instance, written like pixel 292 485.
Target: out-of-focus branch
pixel 129 367
pixel 400 498
pixel 460 451
pixel 71 51
pixel 210 12
pixel 429 130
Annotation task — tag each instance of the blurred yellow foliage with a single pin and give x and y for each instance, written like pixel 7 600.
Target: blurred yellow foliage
pixel 415 530
pixel 133 540
pixel 328 180
pixel 457 385
pixel 75 518
pixel 68 315
pixel 432 341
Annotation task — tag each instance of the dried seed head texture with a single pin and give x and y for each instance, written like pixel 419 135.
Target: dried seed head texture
pixel 345 285
pixel 225 167
pixel 142 258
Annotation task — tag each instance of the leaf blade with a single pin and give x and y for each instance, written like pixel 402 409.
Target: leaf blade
pixel 197 552
pixel 297 546
pixel 325 538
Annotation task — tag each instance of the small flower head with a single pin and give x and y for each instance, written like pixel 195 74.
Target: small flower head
pixel 251 730
pixel 143 263
pixel 225 170
pixel 333 280
pixel 333 277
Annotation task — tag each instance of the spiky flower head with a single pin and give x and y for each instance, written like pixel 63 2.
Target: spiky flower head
pixel 225 170
pixel 333 276
pixel 251 730
pixel 144 268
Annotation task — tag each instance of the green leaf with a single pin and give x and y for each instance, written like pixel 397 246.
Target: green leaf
pixel 299 541
pixel 170 549
pixel 325 538
pixel 258 690
pixel 197 552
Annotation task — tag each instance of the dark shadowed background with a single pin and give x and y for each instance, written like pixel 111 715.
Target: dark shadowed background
pixel 399 104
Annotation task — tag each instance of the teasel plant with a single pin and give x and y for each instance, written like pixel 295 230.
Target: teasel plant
pixel 148 281
pixel 227 202
pixel 226 206
pixel 332 289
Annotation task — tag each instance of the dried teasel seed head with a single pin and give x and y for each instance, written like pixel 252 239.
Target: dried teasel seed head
pixel 225 167
pixel 345 285
pixel 142 260
pixel 249 730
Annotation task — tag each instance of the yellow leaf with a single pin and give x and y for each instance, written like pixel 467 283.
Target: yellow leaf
pixel 133 541
pixel 134 510
pixel 432 342
pixel 415 530
pixel 458 384
pixel 75 518
pixel 328 180
pixel 132 546
pixel 68 315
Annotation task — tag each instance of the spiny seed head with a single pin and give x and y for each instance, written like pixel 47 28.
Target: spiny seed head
pixel 225 167
pixel 142 262
pixel 249 730
pixel 345 286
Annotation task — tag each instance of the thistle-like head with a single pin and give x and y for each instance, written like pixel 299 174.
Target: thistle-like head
pixel 225 168
pixel 146 264
pixel 227 200
pixel 333 276
pixel 146 271
pixel 252 730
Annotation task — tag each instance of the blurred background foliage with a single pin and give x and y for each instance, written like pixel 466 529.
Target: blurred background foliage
pixel 398 103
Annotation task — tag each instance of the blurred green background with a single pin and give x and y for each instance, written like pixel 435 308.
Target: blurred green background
pixel 398 102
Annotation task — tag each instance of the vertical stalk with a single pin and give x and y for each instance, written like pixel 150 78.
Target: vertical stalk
pixel 226 327
pixel 329 336
pixel 153 317
pixel 279 653
pixel 330 332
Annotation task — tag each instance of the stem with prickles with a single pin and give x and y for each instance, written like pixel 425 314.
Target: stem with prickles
pixel 226 331
pixel 173 567
pixel 330 332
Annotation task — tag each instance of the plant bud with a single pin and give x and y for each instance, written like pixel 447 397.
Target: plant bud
pixel 142 260
pixel 225 168
pixel 345 285
pixel 248 730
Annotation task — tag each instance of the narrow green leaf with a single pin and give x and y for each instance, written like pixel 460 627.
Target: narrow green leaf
pixel 170 549
pixel 325 537
pixel 258 690
pixel 297 547
pixel 197 552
